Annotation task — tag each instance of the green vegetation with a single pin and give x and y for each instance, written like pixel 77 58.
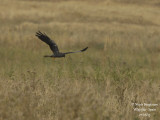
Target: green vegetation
pixel 121 66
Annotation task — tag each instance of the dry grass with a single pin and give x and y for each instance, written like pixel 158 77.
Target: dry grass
pixel 121 66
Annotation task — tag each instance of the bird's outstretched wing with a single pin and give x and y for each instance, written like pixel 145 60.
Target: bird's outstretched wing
pixel 47 40
pixel 77 51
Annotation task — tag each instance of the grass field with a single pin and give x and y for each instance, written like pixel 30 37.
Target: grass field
pixel 121 66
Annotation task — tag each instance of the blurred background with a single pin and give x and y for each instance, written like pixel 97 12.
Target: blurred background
pixel 121 66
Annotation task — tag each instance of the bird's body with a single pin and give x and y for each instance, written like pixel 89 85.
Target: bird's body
pixel 53 46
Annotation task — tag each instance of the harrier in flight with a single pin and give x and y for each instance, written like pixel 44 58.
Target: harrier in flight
pixel 53 46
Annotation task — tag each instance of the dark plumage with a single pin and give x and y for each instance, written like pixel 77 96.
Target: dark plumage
pixel 53 46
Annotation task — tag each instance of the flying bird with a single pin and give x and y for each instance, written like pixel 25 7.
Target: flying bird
pixel 53 46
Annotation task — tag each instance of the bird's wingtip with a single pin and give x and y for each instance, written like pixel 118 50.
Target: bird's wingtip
pixel 38 33
pixel 84 49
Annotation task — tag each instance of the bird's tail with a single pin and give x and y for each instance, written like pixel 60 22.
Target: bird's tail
pixel 48 56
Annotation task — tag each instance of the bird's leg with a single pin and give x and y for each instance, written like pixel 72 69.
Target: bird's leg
pixel 53 61
pixel 53 58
